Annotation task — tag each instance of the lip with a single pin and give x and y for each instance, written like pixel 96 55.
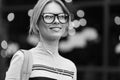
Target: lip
pixel 56 29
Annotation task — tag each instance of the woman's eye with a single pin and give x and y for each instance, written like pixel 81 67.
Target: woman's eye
pixel 48 17
pixel 61 16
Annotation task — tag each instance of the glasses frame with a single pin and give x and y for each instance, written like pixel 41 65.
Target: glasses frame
pixel 55 15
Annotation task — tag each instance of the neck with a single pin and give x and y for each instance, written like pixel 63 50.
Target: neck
pixel 50 45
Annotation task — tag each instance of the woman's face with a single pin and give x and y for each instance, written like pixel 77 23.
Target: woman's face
pixel 51 26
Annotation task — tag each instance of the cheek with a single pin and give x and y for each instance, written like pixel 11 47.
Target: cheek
pixel 65 26
pixel 42 25
pixel 65 30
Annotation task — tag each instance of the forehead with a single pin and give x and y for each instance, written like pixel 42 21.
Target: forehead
pixel 53 7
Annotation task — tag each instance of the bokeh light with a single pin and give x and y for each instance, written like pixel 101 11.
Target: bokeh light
pixel 12 48
pixel 80 13
pixel 4 44
pixel 72 32
pixel 79 40
pixel 30 12
pixel 90 34
pixel 83 22
pixel 117 48
pixel 117 20
pixel 68 1
pixel 33 40
pixel 3 53
pixel 76 23
pixel 11 17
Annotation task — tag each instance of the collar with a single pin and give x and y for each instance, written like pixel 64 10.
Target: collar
pixel 40 46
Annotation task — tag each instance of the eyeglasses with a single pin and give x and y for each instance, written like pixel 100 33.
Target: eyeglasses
pixel 50 17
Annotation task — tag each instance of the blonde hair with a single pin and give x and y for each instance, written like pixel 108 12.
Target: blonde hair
pixel 34 30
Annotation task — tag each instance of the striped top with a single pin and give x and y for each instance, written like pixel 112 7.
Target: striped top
pixel 53 70
pixel 47 65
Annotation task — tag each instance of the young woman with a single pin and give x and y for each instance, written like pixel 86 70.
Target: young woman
pixel 50 21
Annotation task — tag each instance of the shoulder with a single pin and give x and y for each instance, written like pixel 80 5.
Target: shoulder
pixel 18 56
pixel 69 63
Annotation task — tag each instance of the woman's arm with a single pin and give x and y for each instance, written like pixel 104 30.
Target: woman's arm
pixel 14 69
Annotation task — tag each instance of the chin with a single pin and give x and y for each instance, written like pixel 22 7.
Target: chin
pixel 56 36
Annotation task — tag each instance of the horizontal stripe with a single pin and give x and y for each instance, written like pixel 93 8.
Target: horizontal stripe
pixel 53 70
pixel 41 78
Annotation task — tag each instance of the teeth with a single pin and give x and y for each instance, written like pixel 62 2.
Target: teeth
pixel 55 28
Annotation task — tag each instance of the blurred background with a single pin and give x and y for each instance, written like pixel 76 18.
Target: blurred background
pixel 93 43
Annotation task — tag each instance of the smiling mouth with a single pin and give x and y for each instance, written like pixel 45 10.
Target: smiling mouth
pixel 56 28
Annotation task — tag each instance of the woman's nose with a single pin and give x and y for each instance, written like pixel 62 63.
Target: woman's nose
pixel 56 20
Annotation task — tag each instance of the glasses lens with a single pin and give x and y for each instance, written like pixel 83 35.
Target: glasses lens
pixel 48 18
pixel 63 18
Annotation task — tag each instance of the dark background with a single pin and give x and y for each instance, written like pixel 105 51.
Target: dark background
pixel 97 61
